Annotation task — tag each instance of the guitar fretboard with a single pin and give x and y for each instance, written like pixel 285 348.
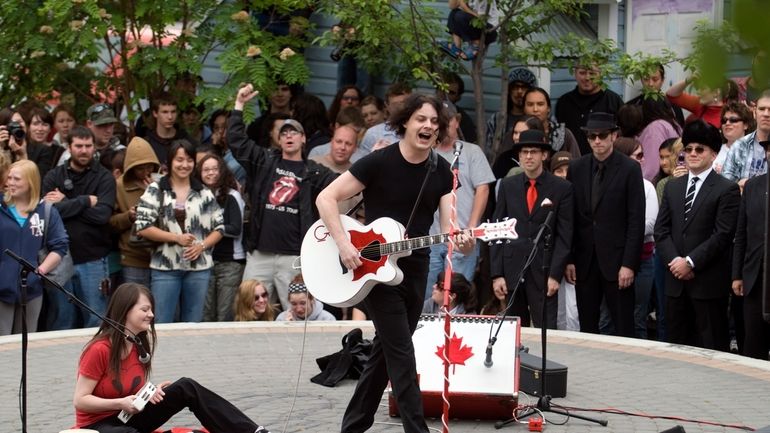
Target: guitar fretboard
pixel 412 244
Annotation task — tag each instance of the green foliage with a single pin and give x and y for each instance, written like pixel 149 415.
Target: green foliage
pixel 89 50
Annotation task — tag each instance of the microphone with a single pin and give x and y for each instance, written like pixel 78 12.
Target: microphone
pixel 458 147
pixel 548 204
pixel 488 361
pixel 144 356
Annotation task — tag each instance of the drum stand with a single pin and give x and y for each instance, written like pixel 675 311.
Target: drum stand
pixel 544 401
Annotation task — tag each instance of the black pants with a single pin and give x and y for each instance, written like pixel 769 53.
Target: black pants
pixel 528 303
pixel 756 343
pixel 698 322
pixel 215 413
pixel 591 289
pixel 395 311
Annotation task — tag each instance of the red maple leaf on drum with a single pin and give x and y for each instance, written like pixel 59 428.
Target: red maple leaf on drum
pixel 457 353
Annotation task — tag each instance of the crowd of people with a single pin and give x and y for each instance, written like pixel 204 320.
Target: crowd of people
pixel 210 215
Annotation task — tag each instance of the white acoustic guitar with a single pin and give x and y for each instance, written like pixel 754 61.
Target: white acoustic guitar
pixel 381 243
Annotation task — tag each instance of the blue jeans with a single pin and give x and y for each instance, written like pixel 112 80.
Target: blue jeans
pixel 643 281
pixel 85 285
pixel 461 263
pixel 183 289
pixel 133 274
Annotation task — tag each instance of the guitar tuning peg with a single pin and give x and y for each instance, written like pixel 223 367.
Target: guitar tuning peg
pixel 490 243
pixel 508 241
pixel 499 242
pixel 505 218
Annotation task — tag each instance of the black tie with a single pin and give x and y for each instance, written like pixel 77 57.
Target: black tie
pixel 596 187
pixel 690 197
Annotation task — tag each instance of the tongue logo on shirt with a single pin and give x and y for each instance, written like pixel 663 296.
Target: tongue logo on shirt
pixel 284 190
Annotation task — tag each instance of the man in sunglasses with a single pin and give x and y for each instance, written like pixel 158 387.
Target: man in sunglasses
pixel 693 235
pixel 282 188
pixel 609 228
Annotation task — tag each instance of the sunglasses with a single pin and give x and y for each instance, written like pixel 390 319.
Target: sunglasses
pixel 638 156
pixel 698 149
pixel 261 295
pixel 600 135
pixel 289 133
pixel 733 119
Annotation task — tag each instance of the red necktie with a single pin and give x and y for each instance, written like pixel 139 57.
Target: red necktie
pixel 531 195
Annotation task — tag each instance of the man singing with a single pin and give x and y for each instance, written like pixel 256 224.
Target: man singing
pixel 389 179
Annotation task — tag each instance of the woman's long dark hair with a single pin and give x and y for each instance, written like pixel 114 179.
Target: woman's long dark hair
pixel 310 111
pixel 658 108
pixel 121 302
pixel 226 180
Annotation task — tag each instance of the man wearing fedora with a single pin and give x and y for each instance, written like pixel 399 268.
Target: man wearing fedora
pixel 609 228
pixel 694 235
pixel 521 197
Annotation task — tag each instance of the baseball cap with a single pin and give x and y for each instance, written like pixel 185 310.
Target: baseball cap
pixel 291 123
pixel 101 114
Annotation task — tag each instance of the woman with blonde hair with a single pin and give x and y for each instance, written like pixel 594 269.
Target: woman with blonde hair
pixel 24 226
pixel 252 303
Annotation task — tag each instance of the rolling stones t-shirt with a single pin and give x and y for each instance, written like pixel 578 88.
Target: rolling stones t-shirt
pixel 280 232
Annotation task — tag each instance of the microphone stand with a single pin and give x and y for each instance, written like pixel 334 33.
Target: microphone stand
pixel 544 401
pixel 527 263
pixel 26 269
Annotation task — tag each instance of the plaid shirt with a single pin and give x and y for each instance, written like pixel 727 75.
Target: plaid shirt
pixel 740 162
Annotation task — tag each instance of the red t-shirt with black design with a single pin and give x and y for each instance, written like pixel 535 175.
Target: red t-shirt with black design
pixel 95 364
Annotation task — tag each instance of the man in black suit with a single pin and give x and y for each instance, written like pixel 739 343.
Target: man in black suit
pixel 521 197
pixel 609 228
pixel 748 259
pixel 693 235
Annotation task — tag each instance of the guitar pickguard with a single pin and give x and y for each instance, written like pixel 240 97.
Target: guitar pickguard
pixel 370 261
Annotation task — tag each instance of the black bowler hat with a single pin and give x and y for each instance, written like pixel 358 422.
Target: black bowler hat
pixel 600 122
pixel 531 138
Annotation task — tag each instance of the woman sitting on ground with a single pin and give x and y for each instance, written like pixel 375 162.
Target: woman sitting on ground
pixel 111 373
pixel 252 303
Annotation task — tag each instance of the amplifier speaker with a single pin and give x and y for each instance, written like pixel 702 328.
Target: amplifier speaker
pixel 530 371
pixel 475 391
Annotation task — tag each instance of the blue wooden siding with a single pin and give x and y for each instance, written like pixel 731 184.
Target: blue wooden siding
pixel 323 77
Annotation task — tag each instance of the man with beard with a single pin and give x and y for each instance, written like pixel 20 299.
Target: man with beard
pixel 387 179
pixel 84 194
pixel 282 188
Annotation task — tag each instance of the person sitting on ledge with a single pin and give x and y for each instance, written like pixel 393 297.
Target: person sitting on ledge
pixel 111 373
pixel 303 305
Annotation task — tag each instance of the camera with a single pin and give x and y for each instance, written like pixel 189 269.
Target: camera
pixel 16 131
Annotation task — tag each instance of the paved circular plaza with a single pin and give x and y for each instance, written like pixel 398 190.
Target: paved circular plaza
pixel 257 366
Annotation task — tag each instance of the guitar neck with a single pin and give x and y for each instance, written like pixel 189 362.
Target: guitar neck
pixel 420 242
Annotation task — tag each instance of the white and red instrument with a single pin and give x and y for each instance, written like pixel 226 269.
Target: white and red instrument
pixel 381 243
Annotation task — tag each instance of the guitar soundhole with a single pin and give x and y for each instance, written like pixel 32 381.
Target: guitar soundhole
pixel 371 252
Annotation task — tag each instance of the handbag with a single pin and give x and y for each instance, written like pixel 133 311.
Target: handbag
pixel 138 241
pixel 62 273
